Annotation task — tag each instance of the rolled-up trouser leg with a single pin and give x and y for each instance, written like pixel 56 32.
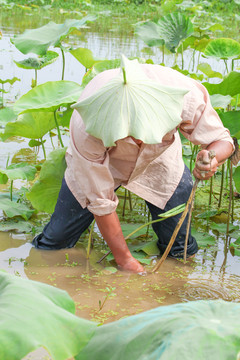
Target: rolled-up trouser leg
pixel 165 228
pixel 67 223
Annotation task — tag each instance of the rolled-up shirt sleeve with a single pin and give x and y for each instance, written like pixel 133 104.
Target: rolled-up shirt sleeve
pixel 200 122
pixel 88 161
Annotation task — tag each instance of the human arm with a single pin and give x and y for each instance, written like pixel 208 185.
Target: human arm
pixel 202 126
pixel 111 231
pixel 205 167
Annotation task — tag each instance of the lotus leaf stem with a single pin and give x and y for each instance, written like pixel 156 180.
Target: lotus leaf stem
pixel 58 129
pixel 2 94
pixel 236 104
pixel 11 190
pixel 163 53
pixel 182 56
pixel 225 62
pixel 221 188
pixel 43 147
pixel 230 197
pixel 35 77
pixel 210 191
pixel 90 239
pixel 63 62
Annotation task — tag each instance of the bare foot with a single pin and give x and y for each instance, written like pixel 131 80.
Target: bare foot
pixel 132 265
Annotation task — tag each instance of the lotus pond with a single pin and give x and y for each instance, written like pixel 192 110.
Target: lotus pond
pixel 34 136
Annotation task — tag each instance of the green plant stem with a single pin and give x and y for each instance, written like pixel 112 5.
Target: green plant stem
pixel 199 55
pixel 221 188
pixel 124 76
pixel 11 190
pixel 124 202
pixel 193 59
pixel 230 198
pixel 51 140
pixel 130 200
pixel 194 150
pixel 227 172
pixel 63 62
pixel 163 53
pixel 58 129
pixel 35 77
pixel 43 147
pixel 90 239
pixel 225 62
pixel 2 94
pixel 232 64
pixel 232 213
pixel 210 192
pixel 236 104
pixel 182 56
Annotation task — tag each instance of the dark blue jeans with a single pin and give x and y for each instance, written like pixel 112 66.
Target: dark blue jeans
pixel 70 220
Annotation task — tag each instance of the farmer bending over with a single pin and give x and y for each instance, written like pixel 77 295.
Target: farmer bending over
pixel 125 133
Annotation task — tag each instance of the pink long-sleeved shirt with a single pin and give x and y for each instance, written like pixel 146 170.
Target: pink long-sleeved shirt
pixel 150 171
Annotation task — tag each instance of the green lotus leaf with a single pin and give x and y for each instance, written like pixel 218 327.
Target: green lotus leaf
pixel 231 120
pixel 220 101
pixel 149 32
pixel 24 155
pixel 64 117
pixel 34 315
pixel 204 240
pixel 207 70
pixel 43 195
pixel 170 30
pixel 31 125
pixel 9 81
pixel 188 42
pixel 7 115
pixel 222 227
pixel 20 226
pixel 38 40
pixel 22 171
pixel 142 108
pixel 236 178
pixel 84 56
pixel 200 45
pixel 48 96
pixel 229 86
pixel 12 209
pixel 33 143
pixel 166 333
pixel 187 73
pixel 223 48
pixel 174 28
pixel 39 62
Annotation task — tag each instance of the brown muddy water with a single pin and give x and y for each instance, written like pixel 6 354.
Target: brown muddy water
pixel 213 274
pixel 88 283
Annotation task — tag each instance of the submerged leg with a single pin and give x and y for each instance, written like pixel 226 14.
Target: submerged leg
pixel 67 223
pixel 164 229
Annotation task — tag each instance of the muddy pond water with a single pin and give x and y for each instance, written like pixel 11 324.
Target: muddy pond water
pixel 101 295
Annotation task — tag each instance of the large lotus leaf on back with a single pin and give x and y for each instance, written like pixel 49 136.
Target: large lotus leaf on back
pixel 136 106
pixel 197 330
